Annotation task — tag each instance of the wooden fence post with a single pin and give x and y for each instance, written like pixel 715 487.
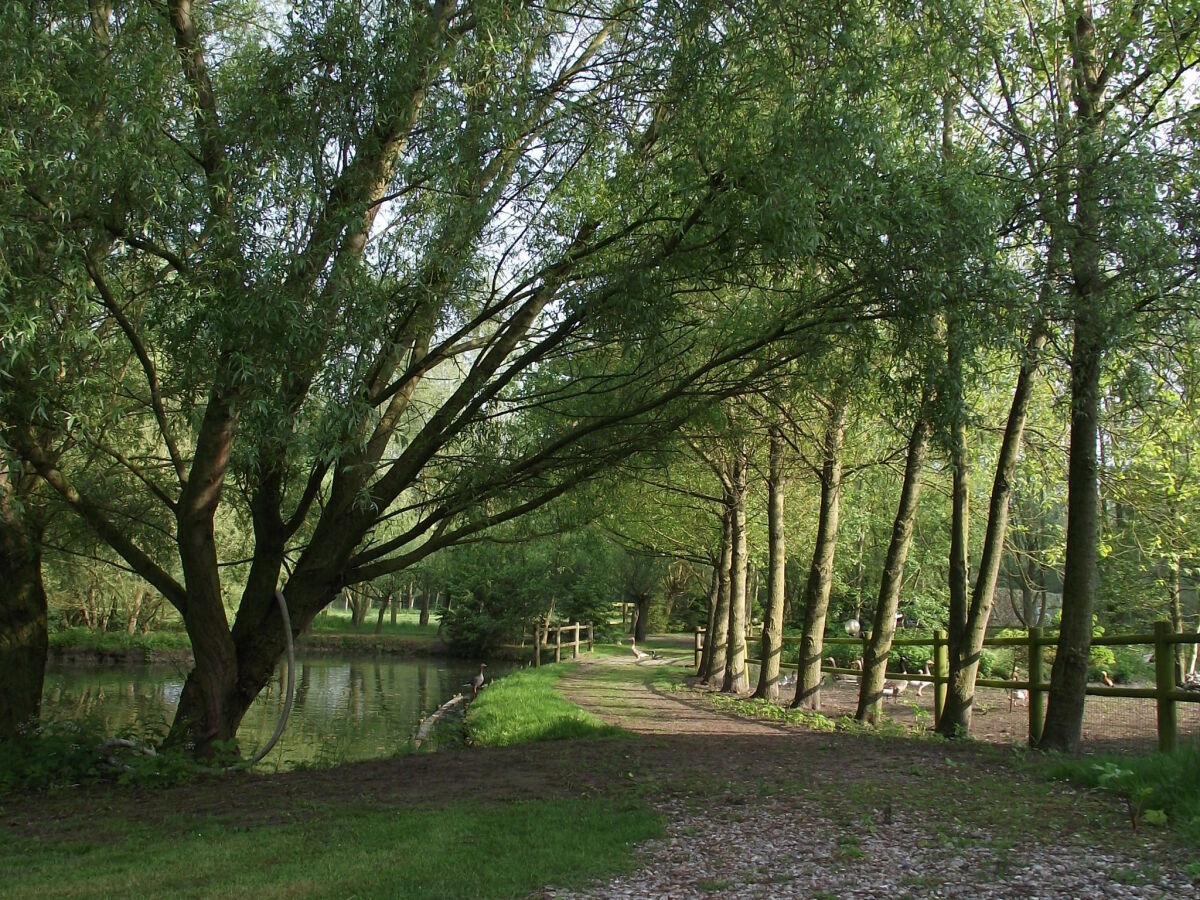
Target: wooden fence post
pixel 1164 685
pixel 591 637
pixel 558 644
pixel 537 644
pixel 941 673
pixel 575 651
pixel 1037 697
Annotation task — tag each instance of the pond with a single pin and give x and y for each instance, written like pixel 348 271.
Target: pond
pixel 345 709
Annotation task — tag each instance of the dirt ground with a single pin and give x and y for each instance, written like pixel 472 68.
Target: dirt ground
pixel 676 735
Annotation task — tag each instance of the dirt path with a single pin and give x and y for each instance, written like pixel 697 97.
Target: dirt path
pixel 618 690
pixel 762 810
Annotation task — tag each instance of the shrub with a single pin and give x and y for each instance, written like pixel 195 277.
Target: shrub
pixel 52 755
pixel 1165 785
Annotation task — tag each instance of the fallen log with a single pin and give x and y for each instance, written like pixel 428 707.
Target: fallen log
pixel 440 713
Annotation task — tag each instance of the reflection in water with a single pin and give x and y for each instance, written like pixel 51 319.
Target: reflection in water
pixel 345 709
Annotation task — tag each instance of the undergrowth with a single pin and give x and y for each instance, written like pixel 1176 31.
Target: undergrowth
pixel 66 754
pixel 1158 789
pixel 764 709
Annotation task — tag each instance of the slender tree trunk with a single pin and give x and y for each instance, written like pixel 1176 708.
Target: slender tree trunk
pixel 960 495
pixel 820 574
pixel 423 619
pixel 641 616
pixel 737 680
pixel 387 602
pixel 714 588
pixel 1068 676
pixel 716 645
pixel 966 646
pixel 1175 599
pixel 772 632
pixel 884 628
pixel 138 599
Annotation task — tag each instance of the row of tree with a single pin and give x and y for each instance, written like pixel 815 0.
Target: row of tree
pixel 296 298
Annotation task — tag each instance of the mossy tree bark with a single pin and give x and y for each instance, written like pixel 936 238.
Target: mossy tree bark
pixel 772 632
pixel 883 631
pixel 820 573
pixel 737 679
pixel 716 644
pixel 966 644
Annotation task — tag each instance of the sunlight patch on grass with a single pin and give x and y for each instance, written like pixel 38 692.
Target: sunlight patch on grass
pixel 527 706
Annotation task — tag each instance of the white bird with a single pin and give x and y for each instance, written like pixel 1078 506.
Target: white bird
pixel 921 685
pixel 1016 697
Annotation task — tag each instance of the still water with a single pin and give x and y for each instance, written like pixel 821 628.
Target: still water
pixel 345 709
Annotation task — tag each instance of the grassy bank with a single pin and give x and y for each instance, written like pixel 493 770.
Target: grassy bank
pixel 119 645
pixel 525 707
pixel 332 631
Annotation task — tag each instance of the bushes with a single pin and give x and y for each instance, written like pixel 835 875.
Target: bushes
pixel 54 755
pixel 1153 787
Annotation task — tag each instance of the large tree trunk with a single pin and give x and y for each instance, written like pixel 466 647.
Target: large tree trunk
pixel 772 632
pixel 870 692
pixel 716 643
pixel 23 635
pixel 820 574
pixel 737 680
pixel 967 644
pixel 1068 677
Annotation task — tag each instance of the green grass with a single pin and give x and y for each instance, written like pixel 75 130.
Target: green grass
pixel 1151 786
pixel 461 850
pixel 336 621
pixel 526 706
pixel 118 642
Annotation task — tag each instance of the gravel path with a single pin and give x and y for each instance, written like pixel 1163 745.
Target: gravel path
pixel 773 826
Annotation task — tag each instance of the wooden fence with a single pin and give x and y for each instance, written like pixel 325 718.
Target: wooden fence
pixel 1165 692
pixel 557 644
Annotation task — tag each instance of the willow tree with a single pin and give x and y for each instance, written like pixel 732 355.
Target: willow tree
pixel 396 273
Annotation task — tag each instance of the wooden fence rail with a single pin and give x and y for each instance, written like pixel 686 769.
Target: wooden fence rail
pixel 1165 692
pixel 577 638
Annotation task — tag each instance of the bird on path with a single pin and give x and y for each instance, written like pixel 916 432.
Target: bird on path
pixel 925 670
pixel 1107 679
pixel 642 654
